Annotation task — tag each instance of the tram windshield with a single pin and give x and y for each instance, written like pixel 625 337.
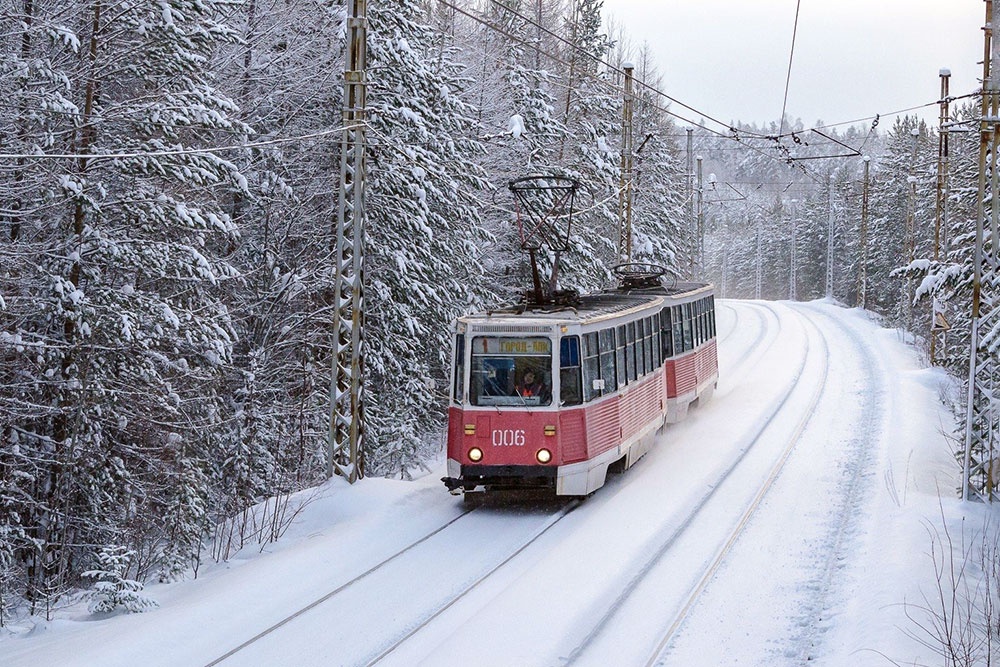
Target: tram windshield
pixel 511 371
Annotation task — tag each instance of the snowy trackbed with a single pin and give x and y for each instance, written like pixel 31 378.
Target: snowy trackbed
pixel 752 534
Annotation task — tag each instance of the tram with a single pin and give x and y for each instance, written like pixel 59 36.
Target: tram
pixel 553 396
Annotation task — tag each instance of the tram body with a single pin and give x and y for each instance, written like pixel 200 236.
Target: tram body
pixel 613 369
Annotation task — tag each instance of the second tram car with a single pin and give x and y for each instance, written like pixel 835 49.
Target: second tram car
pixel 552 397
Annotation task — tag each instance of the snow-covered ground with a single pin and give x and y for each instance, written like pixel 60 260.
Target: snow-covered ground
pixel 787 520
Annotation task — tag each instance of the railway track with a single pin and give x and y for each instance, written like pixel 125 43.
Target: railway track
pixel 409 626
pixel 672 535
pixel 251 651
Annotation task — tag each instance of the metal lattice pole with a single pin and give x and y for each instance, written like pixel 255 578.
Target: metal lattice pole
pixel 625 191
pixel 981 417
pixel 938 324
pixel 346 432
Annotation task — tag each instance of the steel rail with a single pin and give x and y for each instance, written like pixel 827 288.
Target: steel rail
pixel 749 511
pixel 336 591
pixel 552 521
pixel 665 545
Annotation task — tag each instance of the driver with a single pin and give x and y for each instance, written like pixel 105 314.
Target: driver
pixel 529 385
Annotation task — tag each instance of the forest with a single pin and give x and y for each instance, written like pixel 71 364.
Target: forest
pixel 168 219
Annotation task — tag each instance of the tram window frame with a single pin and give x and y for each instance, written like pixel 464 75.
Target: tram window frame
pixel 609 354
pixel 666 335
pixel 459 380
pixel 591 365
pixel 569 372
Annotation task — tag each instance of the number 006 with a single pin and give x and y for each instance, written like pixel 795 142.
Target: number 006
pixel 508 438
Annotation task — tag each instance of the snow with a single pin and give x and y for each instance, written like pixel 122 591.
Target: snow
pixel 814 547
pixel 516 126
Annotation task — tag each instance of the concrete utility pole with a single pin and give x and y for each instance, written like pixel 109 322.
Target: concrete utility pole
pixel 345 454
pixel 700 230
pixel 939 325
pixel 863 240
pixel 625 189
pixel 689 179
pixel 909 238
pixel 981 427
pixel 793 294
pixel 829 237
pixel 758 264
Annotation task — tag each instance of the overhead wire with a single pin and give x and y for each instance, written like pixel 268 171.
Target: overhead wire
pixel 492 26
pixel 734 136
pixel 167 153
pixel 788 76
pixel 521 40
pixel 601 61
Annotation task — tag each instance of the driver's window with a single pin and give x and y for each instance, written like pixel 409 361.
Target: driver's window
pixel 511 371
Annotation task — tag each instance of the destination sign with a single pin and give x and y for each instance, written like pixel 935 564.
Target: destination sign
pixel 511 346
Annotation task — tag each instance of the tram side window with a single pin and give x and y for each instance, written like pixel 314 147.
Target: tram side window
pixel 608 353
pixel 459 367
pixel 708 319
pixel 640 360
pixel 641 337
pixel 678 321
pixel 688 328
pixel 652 344
pixel 621 351
pixel 569 371
pixel 711 316
pixel 647 346
pixel 642 346
pixel 695 325
pixel 630 352
pixel 666 339
pixel 700 306
pixel 591 366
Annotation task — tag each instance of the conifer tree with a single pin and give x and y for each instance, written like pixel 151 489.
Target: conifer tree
pixel 423 223
pixel 128 332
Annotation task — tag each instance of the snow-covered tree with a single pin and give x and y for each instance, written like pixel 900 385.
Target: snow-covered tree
pixel 117 332
pixel 113 589
pixel 423 224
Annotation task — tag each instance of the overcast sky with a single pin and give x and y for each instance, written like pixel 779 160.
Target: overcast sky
pixel 853 58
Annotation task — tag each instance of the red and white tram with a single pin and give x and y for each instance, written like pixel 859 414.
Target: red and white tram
pixel 608 371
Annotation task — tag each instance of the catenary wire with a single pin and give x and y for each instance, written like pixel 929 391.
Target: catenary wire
pixel 788 76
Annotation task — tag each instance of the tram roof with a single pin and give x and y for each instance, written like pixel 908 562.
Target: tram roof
pixel 594 305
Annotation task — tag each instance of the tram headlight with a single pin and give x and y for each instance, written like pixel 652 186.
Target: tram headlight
pixel 475 454
pixel 543 456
